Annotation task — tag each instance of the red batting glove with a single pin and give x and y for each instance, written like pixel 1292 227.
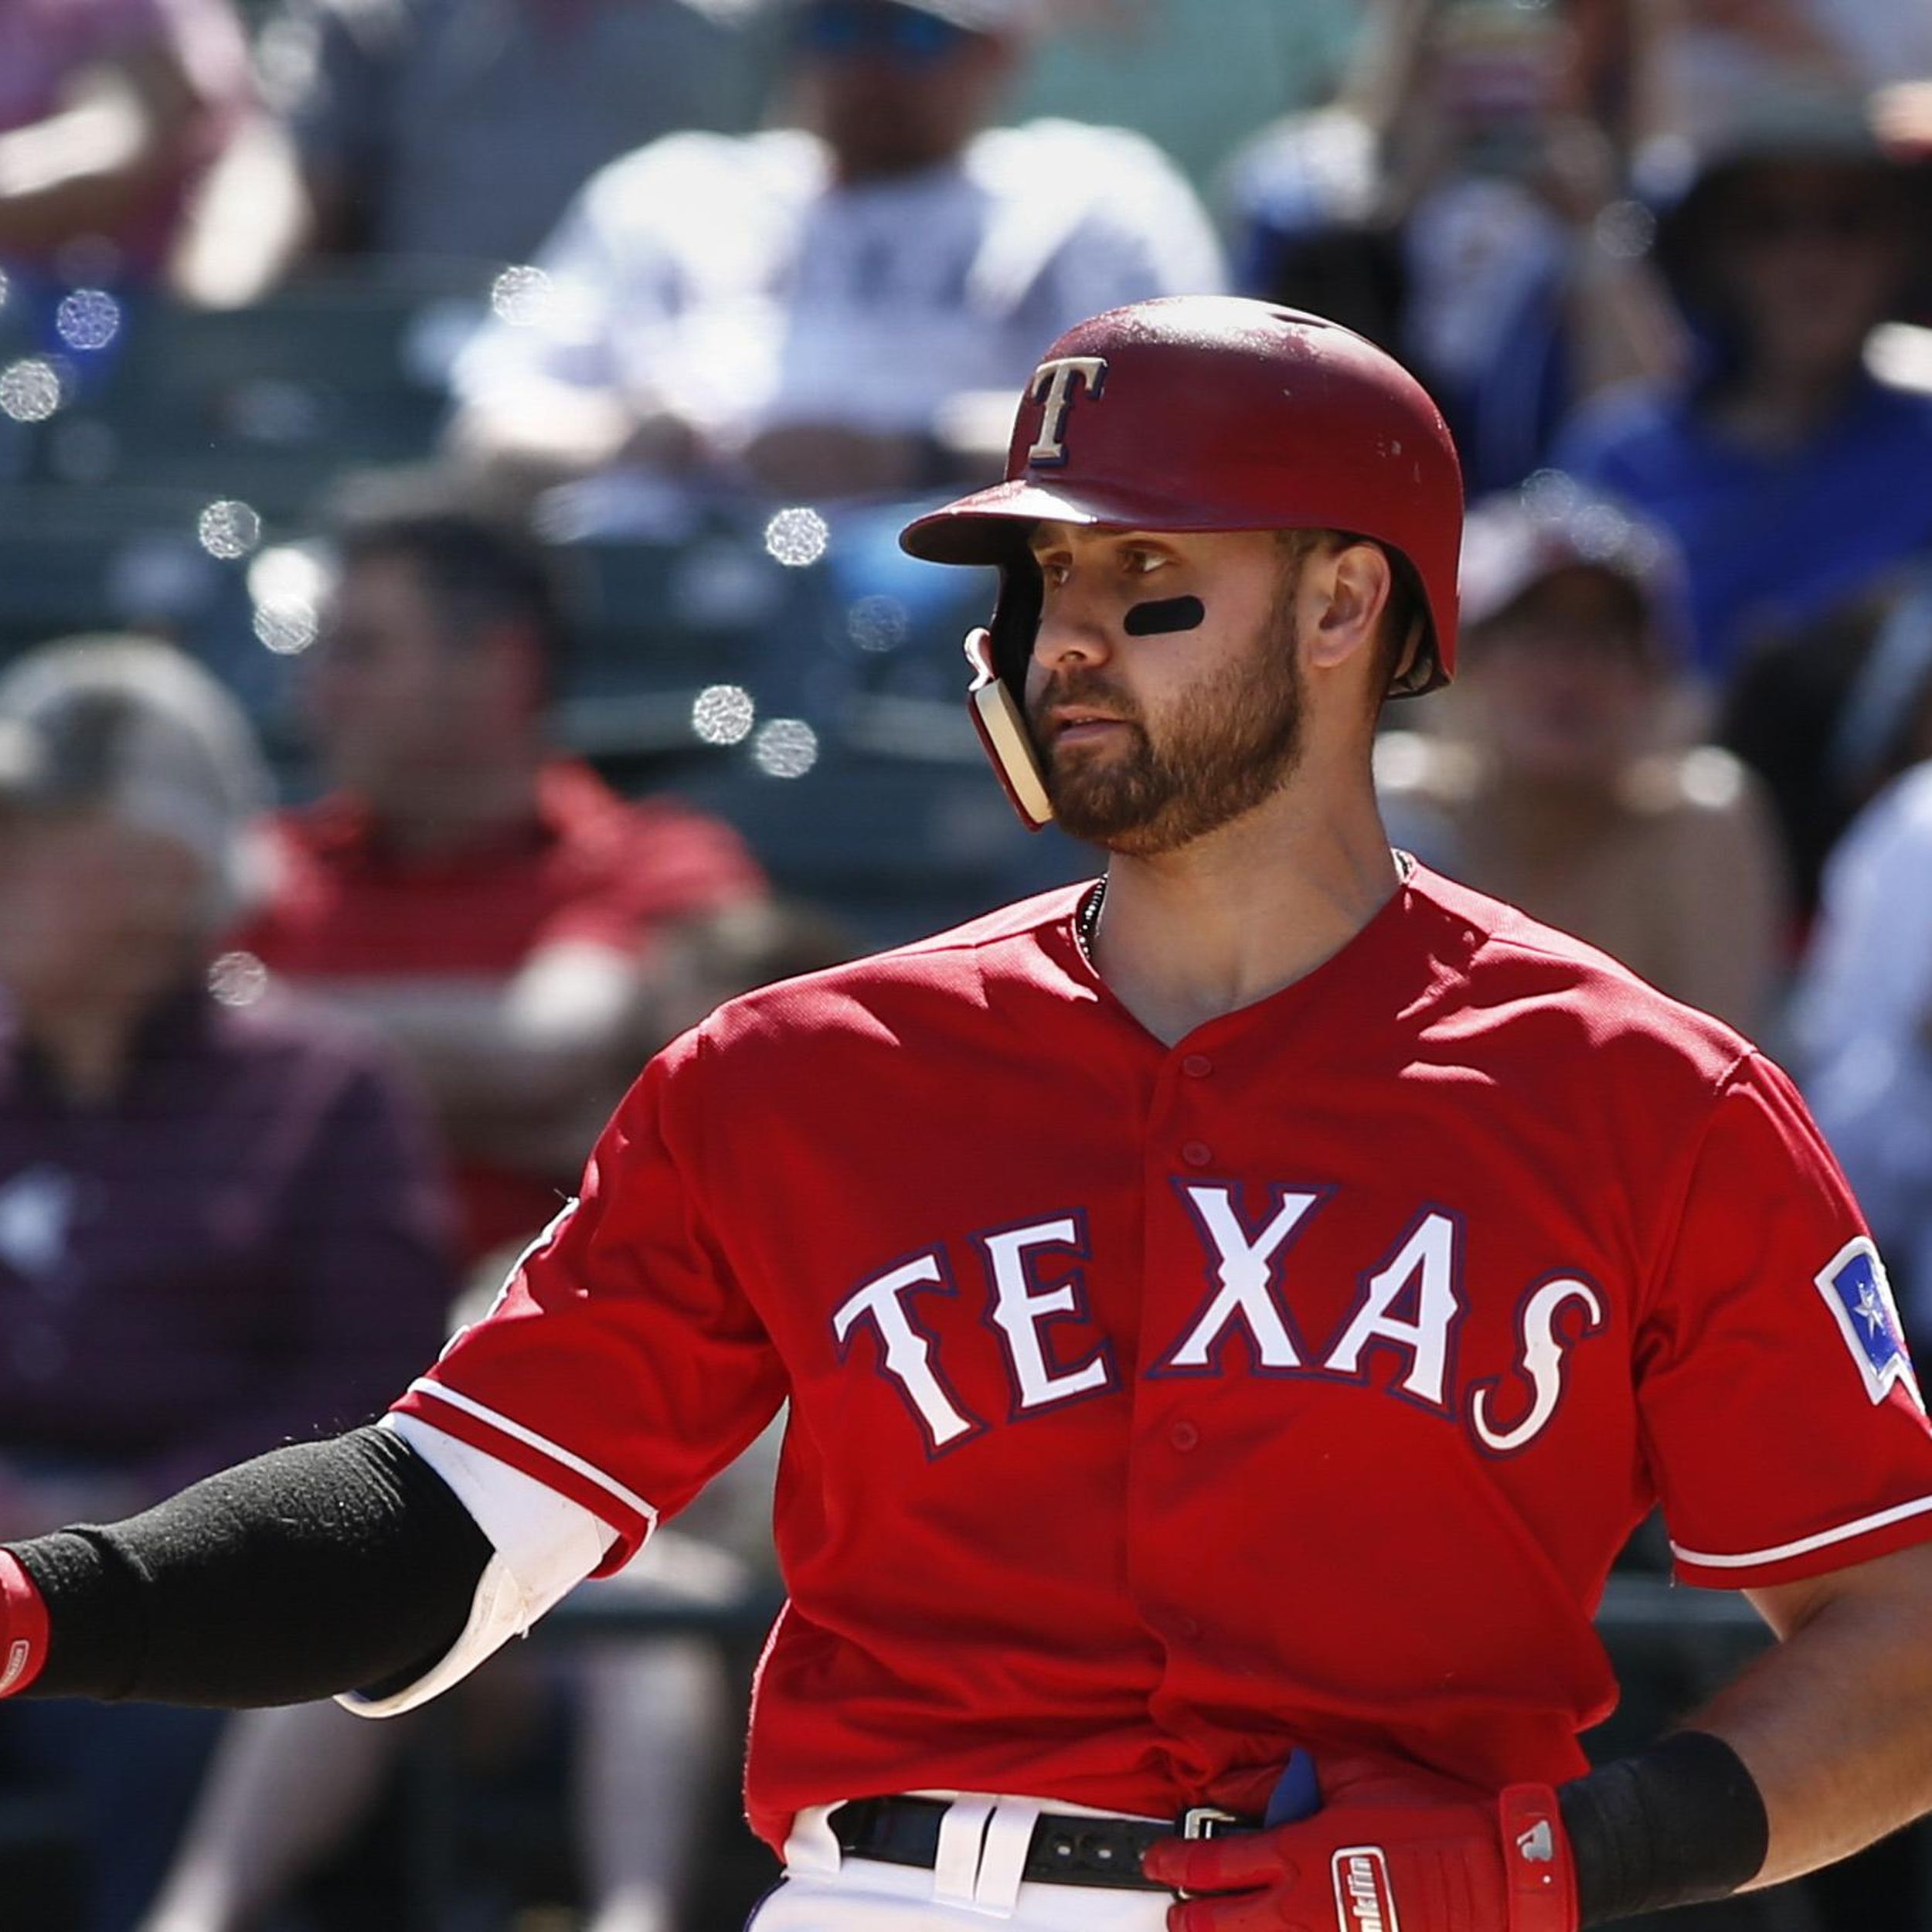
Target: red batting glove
pixel 1399 1859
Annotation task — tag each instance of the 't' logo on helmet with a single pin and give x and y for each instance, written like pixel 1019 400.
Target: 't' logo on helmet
pixel 1055 381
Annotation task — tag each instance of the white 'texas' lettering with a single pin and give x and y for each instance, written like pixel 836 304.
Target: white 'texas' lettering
pixel 906 1354
pixel 1019 1310
pixel 1244 1266
pixel 1541 1363
pixel 1055 380
pixel 1428 1258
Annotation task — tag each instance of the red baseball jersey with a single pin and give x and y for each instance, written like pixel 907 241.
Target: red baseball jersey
pixel 1154 1410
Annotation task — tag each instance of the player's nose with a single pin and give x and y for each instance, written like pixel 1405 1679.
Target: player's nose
pixel 1073 631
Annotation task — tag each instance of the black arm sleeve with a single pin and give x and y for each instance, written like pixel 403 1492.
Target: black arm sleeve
pixel 1680 1823
pixel 326 1567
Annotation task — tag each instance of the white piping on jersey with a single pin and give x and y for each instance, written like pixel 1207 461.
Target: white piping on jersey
pixel 538 1530
pixel 424 1386
pixel 1804 1545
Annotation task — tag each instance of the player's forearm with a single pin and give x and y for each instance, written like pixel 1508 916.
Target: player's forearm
pixel 551 432
pixel 326 1567
pixel 483 1050
pixel 1836 1723
pixel 67 178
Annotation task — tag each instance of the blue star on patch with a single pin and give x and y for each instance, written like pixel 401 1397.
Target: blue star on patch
pixel 1854 1285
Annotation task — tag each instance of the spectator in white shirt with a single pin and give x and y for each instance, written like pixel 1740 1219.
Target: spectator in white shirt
pixel 800 312
pixel 1862 1022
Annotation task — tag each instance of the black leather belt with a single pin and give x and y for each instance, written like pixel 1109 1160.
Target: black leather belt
pixel 1064 1849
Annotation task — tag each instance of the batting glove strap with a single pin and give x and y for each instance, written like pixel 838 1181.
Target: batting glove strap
pixel 1396 1865
pixel 1538 1872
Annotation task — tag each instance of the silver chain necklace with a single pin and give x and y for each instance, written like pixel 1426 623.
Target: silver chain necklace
pixel 1086 923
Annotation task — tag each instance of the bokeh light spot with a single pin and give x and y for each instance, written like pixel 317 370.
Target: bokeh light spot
pixel 1599 530
pixel 878 624
pixel 229 529
pixel 286 584
pixel 724 714
pixel 286 629
pixel 521 296
pixel 29 389
pixel 1550 495
pixel 1625 231
pixel 797 538
pixel 237 979
pixel 89 319
pixel 785 748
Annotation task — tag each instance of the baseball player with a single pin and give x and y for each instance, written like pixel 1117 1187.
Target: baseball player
pixel 1232 1314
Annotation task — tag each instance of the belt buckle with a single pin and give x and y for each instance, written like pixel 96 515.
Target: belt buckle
pixel 1204 1820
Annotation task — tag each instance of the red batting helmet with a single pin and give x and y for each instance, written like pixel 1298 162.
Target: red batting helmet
pixel 1211 413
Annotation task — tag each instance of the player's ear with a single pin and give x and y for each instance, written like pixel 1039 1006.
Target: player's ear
pixel 1351 585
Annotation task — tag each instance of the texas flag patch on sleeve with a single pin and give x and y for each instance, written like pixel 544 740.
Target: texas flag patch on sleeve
pixel 1855 1290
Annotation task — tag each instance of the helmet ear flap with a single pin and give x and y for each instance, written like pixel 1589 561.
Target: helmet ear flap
pixel 997 700
pixel 1015 620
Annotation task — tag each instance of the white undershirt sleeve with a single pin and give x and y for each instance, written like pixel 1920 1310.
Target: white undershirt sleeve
pixel 545 1545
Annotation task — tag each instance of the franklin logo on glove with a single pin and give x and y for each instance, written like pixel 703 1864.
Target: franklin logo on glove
pixel 1363 1903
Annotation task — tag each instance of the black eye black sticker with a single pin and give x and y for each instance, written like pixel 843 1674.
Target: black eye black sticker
pixel 1169 613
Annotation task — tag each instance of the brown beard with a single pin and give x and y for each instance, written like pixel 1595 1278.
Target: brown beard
pixel 1223 751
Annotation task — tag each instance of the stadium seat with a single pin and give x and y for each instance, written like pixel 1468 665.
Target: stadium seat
pixel 267 403
pixel 132 559
pixel 657 623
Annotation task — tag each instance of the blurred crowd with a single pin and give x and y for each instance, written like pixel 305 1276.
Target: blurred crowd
pixel 451 635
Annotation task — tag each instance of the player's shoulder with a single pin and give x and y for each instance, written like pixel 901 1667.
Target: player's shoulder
pixel 1544 999
pixel 956 968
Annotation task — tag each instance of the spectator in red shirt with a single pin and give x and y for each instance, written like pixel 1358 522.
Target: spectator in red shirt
pixel 489 906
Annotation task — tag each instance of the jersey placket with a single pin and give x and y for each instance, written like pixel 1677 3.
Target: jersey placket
pixel 1181 1435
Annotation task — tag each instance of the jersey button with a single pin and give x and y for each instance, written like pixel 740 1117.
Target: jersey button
pixel 1185 1436
pixel 1197 1066
pixel 1197 1153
